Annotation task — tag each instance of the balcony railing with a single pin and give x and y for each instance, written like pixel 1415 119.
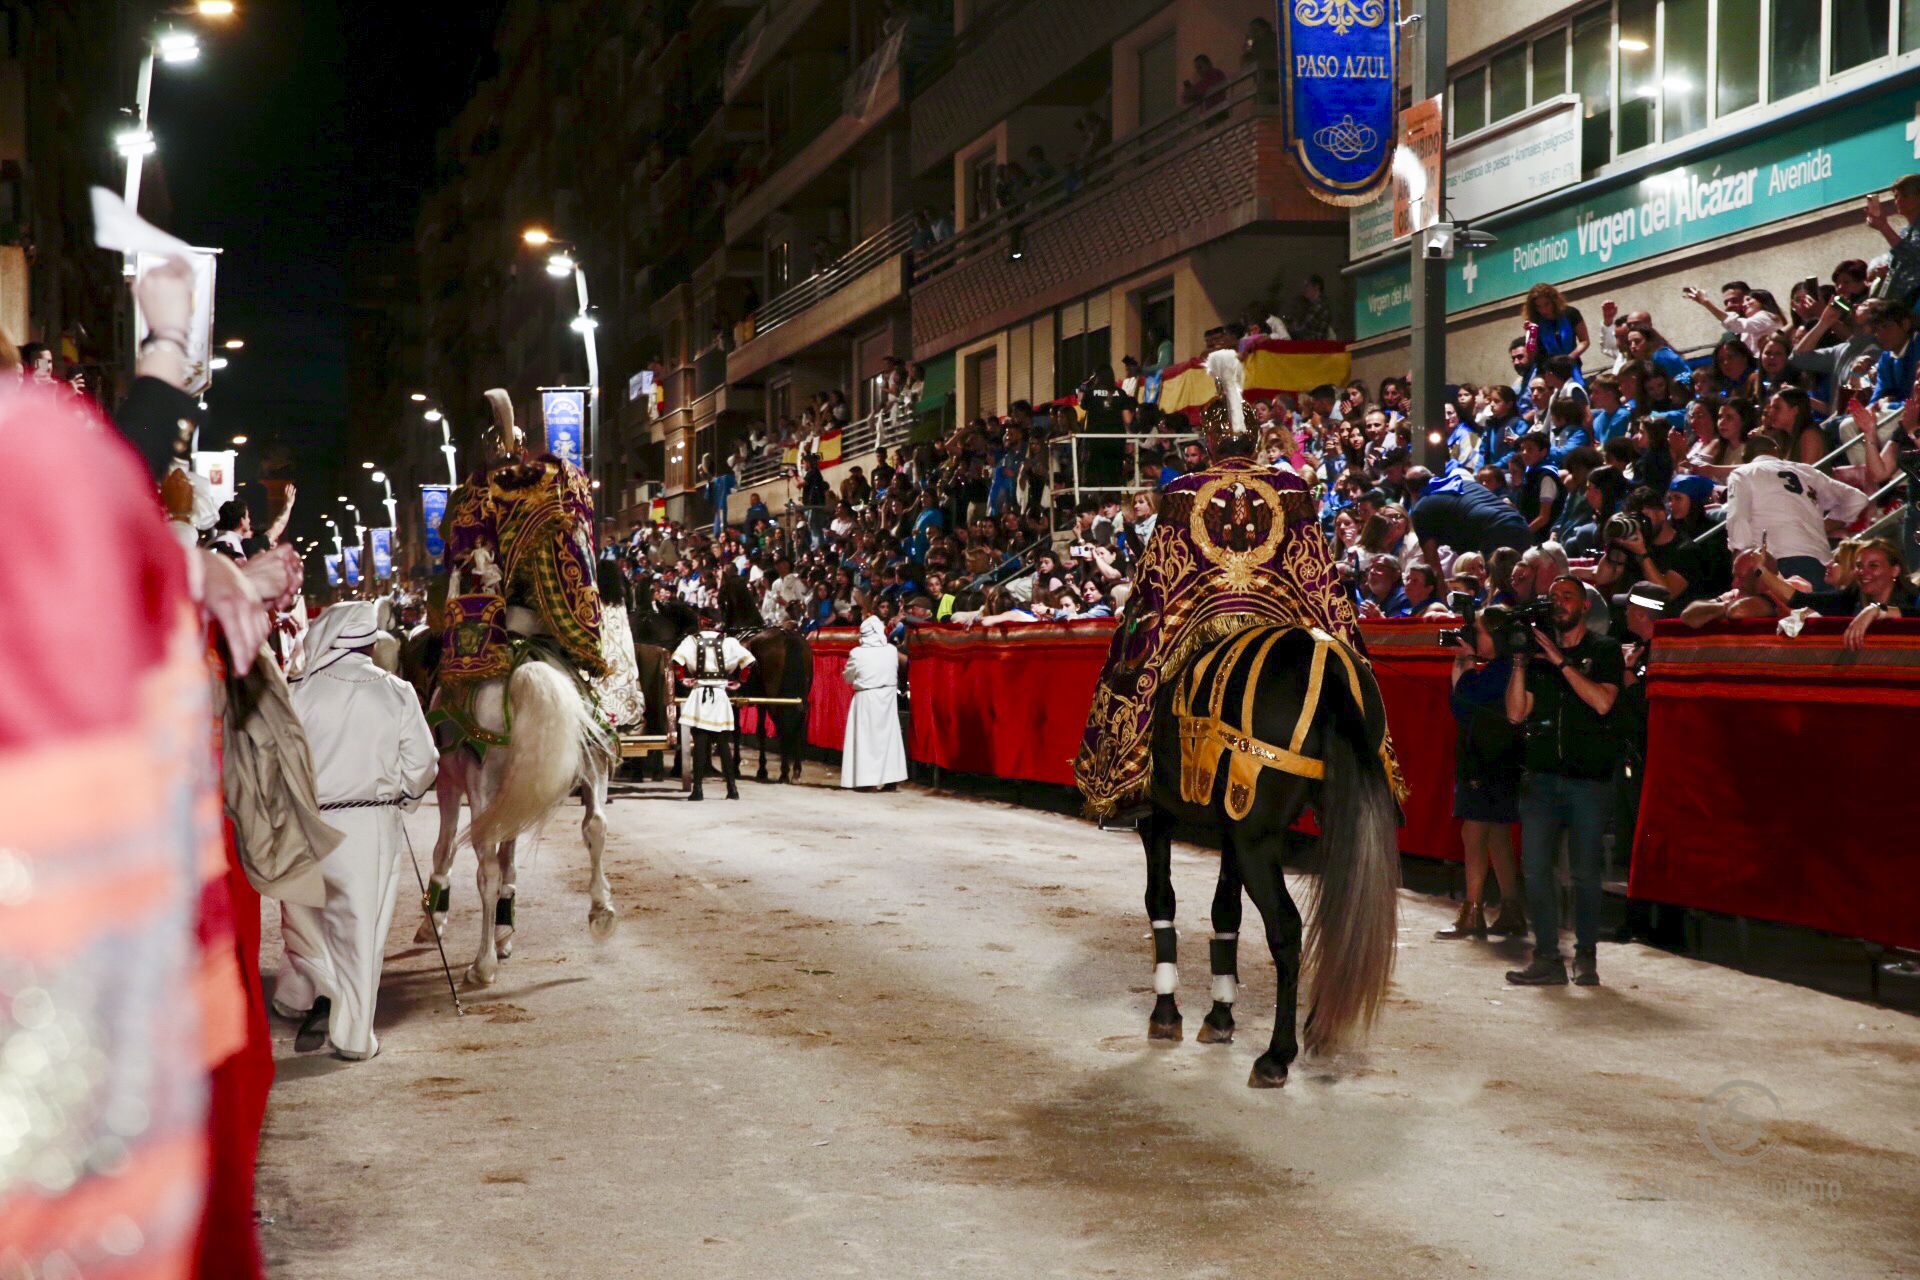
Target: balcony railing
pixel 895 238
pixel 886 428
pixel 1125 161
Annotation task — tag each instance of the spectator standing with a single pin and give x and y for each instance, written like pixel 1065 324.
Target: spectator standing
pixel 1465 515
pixel 1553 329
pixel 1903 247
pixel 1486 779
pixel 1562 693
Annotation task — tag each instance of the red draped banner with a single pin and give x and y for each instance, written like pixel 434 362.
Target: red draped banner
pixel 1777 769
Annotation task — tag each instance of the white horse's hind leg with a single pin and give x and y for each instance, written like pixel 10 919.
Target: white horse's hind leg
pixel 487 874
pixel 448 787
pixel 600 912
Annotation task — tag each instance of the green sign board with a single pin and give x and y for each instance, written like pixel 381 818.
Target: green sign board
pixel 1831 156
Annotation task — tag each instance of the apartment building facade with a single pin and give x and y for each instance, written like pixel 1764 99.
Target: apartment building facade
pixel 1620 149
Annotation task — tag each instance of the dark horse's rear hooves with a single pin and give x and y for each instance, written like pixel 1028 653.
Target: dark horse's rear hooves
pixel 1268 1073
pixel 1164 1022
pixel 1217 1026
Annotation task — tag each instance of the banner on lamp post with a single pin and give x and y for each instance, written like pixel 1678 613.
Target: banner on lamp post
pixel 352 566
pixel 1339 60
pixel 563 412
pixel 433 507
pixel 382 553
pixel 333 570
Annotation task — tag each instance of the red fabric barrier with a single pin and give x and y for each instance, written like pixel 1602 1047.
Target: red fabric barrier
pixel 1778 769
pixel 828 702
pixel 1012 701
pixel 1780 777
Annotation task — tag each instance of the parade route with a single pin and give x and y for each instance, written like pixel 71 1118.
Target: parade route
pixel 904 1035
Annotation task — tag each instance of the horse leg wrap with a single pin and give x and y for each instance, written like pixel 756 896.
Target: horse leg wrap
pixel 1224 952
pixel 439 897
pixel 503 912
pixel 1166 950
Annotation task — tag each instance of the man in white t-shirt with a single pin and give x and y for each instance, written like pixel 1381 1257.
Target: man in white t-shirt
pixel 1790 505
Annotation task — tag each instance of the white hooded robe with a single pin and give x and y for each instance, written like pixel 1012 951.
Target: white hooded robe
pixel 874 754
pixel 369 742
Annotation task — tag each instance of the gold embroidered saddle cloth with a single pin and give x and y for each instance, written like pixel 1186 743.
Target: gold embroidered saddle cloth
pixel 1214 708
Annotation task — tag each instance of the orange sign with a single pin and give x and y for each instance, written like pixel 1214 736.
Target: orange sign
pixel 1416 167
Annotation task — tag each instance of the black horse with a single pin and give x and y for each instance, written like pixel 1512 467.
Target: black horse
pixel 1254 728
pixel 782 668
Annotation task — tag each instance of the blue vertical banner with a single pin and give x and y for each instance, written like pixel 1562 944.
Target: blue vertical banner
pixel 382 552
pixel 1340 60
pixel 433 509
pixel 563 411
pixel 333 570
pixel 353 566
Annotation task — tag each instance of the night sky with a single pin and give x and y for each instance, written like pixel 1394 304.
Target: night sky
pixel 306 126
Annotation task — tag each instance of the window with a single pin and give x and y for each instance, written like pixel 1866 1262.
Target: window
pixel 1550 65
pixel 1650 72
pixel 1683 70
pixel 1737 78
pixel 1507 84
pixel 779 267
pixel 1638 85
pixel 1159 73
pixel 1858 32
pixel 1593 81
pixel 1795 40
pixel 1470 102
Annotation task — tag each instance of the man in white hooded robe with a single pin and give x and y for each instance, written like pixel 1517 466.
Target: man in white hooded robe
pixel 373 759
pixel 874 754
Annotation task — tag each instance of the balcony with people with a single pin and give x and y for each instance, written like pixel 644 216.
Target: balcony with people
pixel 1100 177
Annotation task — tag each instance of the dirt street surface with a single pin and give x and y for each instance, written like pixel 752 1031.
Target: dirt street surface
pixel 905 1035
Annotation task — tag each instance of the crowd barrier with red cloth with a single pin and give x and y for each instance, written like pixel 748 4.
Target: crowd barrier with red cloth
pixel 1780 777
pixel 1775 766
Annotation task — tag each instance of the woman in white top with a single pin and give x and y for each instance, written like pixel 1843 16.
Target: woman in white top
pixel 1753 315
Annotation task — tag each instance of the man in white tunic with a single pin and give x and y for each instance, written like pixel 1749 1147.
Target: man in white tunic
pixel 709 663
pixel 874 754
pixel 373 758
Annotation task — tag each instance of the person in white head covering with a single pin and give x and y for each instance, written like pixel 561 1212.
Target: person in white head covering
pixel 874 754
pixel 373 758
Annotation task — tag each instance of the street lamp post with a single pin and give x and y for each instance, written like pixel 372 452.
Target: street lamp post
pixel 561 263
pixel 436 414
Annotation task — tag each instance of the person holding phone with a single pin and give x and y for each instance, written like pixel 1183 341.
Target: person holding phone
pixel 1486 777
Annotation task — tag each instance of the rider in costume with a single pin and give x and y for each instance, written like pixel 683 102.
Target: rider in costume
pixel 1236 545
pixel 710 662
pixel 519 537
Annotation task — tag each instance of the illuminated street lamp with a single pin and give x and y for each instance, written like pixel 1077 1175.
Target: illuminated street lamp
pixel 393 507
pixel 561 263
pixel 433 414
pixel 214 8
pixel 234 344
pixel 238 441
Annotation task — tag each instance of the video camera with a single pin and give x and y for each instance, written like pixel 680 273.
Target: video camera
pixel 1517 639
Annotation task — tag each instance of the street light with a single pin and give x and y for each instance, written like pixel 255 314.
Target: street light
pixel 214 8
pixel 562 263
pixel 177 47
pixel 366 466
pixel 234 344
pixel 239 440
pixel 393 507
pixel 218 362
pixel 433 414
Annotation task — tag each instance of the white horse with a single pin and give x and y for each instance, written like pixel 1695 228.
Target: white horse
pixel 556 746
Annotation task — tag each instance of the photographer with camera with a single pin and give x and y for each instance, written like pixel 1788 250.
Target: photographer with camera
pixel 1641 542
pixel 1562 689
pixel 1486 767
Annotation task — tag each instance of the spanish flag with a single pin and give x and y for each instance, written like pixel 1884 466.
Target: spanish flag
pixel 1274 367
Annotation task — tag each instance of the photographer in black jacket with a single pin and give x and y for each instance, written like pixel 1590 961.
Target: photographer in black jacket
pixel 1562 691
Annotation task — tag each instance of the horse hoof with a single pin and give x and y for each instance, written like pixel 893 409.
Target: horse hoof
pixel 426 932
pixel 600 920
pixel 1210 1034
pixel 503 944
pixel 1266 1075
pixel 479 977
pixel 1164 1030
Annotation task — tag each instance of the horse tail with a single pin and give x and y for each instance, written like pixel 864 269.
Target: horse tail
pixel 550 728
pixel 1350 942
